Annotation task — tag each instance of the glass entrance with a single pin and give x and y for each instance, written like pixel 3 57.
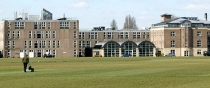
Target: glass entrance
pixel 129 52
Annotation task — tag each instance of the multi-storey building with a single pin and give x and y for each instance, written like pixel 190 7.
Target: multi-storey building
pixel 123 38
pixel 37 37
pixel 182 36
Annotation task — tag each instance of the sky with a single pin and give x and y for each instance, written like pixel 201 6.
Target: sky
pixel 94 13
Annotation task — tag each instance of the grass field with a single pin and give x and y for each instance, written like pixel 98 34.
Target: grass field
pixel 143 72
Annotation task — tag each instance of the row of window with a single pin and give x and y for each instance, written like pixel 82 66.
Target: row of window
pixel 41 25
pixel 36 34
pixel 110 35
pixel 186 53
pixel 199 43
pixel 37 44
pixel 174 33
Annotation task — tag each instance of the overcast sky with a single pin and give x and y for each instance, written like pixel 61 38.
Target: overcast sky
pixel 93 13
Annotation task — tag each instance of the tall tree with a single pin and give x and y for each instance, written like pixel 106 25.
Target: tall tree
pixel 130 23
pixel 113 25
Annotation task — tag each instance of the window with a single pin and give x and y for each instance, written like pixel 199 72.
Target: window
pixel 110 35
pixel 64 25
pixel 19 25
pixel 25 44
pixel 35 25
pixel 30 34
pixel 172 43
pixel 49 25
pixel 54 52
pixel 104 35
pixel 13 34
pixel 199 43
pixel 75 34
pixel 53 44
pixel 43 44
pixel 58 44
pixel 8 44
pixel 43 25
pixel 46 34
pixel 75 53
pixel 93 35
pixel 138 35
pixel 8 25
pixel 172 33
pixel 30 44
pixel 126 35
pixel 49 44
pixel 8 53
pixel 54 34
pixel 34 34
pixel 121 35
pixel 18 34
pixel 8 34
pixel 39 34
pixel 75 43
pixel 81 35
pixel 199 52
pixel 35 44
pixel 199 33
pixel 173 52
pixel 13 44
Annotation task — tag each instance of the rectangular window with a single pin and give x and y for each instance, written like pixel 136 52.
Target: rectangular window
pixel 81 35
pixel 30 34
pixel 13 44
pixel 19 25
pixel 54 34
pixel 121 35
pixel 75 43
pixel 8 44
pixel 49 44
pixel 199 43
pixel 173 52
pixel 43 25
pixel 8 25
pixel 35 44
pixel 18 34
pixel 30 44
pixel 39 34
pixel 172 33
pixel 110 35
pixel 64 25
pixel 199 52
pixel 126 35
pixel 46 34
pixel 43 44
pixel 134 35
pixel 8 34
pixel 75 53
pixel 199 33
pixel 35 25
pixel 25 44
pixel 58 44
pixel 34 34
pixel 75 34
pixel 54 52
pixel 13 34
pixel 49 25
pixel 53 44
pixel 105 35
pixel 172 43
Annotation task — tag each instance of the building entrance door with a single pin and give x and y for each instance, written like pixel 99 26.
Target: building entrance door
pixel 186 53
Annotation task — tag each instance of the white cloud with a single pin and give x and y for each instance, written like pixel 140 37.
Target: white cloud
pixel 194 7
pixel 79 5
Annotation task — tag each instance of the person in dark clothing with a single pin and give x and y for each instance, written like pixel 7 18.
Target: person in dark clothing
pixel 25 61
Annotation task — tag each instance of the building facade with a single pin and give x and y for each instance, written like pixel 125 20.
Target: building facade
pixel 182 36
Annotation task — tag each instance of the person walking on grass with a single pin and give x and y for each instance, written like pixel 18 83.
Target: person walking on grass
pixel 25 61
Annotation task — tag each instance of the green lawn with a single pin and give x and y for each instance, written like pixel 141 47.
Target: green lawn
pixel 142 72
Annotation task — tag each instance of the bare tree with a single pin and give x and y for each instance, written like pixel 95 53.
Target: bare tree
pixel 130 23
pixel 113 25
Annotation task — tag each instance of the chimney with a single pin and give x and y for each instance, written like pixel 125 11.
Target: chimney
pixel 166 17
pixel 205 16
